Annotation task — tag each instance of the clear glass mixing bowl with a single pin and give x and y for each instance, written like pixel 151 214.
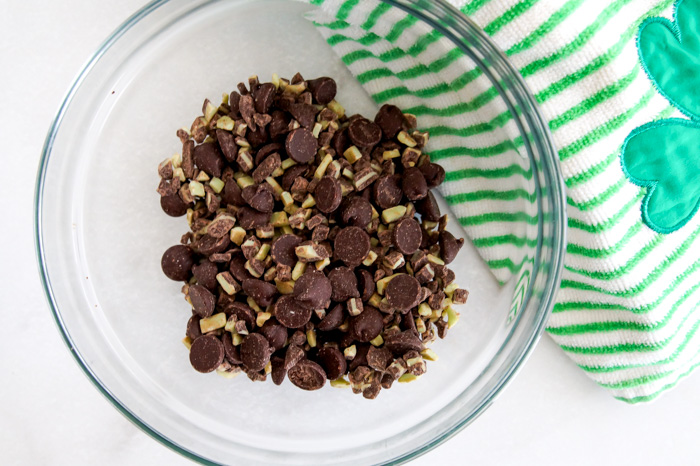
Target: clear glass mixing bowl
pixel 100 235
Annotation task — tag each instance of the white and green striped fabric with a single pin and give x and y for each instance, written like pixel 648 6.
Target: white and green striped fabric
pixel 627 312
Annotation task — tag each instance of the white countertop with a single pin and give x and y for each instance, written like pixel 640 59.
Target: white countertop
pixel 51 414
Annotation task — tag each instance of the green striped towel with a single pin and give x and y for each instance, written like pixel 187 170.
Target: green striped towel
pixel 627 310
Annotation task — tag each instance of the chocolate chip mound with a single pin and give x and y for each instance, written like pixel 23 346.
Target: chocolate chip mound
pixel 316 249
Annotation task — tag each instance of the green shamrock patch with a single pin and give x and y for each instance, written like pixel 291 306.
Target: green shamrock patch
pixel 664 156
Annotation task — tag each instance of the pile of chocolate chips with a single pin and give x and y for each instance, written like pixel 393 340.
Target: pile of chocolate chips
pixel 317 250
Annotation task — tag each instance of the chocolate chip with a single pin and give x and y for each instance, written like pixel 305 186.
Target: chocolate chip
pixel 267 167
pixel 327 194
pixel 402 343
pixel 250 218
pixel 305 114
pixel 343 283
pixel 301 145
pixel 266 150
pixel 414 185
pixel 434 174
pixel 390 120
pixel 290 313
pixel 332 319
pixel 203 301
pixel 351 245
pixel 237 268
pixel 259 198
pixel 332 361
pixel 403 292
pixel 255 352
pixel 366 326
pixel 193 329
pixel 228 145
pixel 278 371
pixel 206 353
pixel 357 211
pixel 307 375
pixel 292 174
pixel 233 356
pixel 282 250
pixel 366 284
pixel 173 205
pixel 360 358
pixel 232 194
pixel 364 133
pixel 246 106
pixel 428 208
pixel 257 137
pixel 279 124
pixel 340 141
pixel 293 355
pixel 378 358
pixel 177 261
pixel 264 96
pixel 242 312
pixel 449 246
pixel 323 89
pixel 387 191
pixel 407 236
pixel 209 159
pixel 313 290
pixel 261 292
pixel 275 333
pixel 234 102
pixel 208 245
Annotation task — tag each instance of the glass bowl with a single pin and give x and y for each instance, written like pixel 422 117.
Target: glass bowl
pixel 100 235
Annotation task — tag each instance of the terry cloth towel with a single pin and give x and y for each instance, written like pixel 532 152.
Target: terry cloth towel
pixel 627 310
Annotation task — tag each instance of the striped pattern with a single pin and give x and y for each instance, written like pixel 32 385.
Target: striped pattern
pixel 628 310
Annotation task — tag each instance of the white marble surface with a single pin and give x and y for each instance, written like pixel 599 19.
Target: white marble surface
pixel 51 414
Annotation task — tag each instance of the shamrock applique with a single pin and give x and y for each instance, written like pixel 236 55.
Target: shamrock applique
pixel 664 155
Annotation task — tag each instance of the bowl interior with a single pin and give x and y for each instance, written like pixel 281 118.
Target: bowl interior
pixel 102 234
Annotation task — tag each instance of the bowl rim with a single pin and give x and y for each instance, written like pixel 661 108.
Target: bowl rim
pixel 552 172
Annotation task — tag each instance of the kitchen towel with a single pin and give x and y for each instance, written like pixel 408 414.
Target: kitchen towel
pixel 627 312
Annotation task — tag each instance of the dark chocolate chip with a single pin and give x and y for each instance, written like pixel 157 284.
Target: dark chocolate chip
pixel 259 198
pixel 177 261
pixel 290 313
pixel 327 195
pixel 379 358
pixel 282 250
pixel 307 375
pixel 340 141
pixel 332 361
pixel 257 137
pixel 402 343
pixel 333 319
pixel 193 329
pixel 413 184
pixel 434 174
pixel 278 371
pixel 247 108
pixel 407 236
pixel 262 292
pixel 301 145
pixel 403 292
pixel 390 120
pixel 232 194
pixel 305 114
pixel 206 353
pixel 351 245
pixel 366 284
pixel 279 124
pixel 209 159
pixel 449 246
pixel 323 89
pixel 264 96
pixel 255 352
pixel 366 326
pixel 357 211
pixel 313 290
pixel 387 191
pixel 364 133
pixel 360 358
pixel 203 301
pixel 275 333
pixel 233 356
pixel 249 218
pixel 208 245
pixel 237 268
pixel 293 355
pixel 242 312
pixel 266 150
pixel 428 208
pixel 173 205
pixel 234 101
pixel 228 144
pixel 291 174
pixel 343 283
